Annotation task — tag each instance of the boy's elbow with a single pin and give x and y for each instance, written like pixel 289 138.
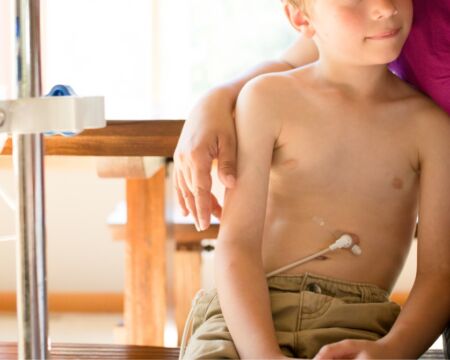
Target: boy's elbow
pixel 230 253
pixel 234 259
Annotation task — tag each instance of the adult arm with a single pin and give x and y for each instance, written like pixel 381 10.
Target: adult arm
pixel 209 134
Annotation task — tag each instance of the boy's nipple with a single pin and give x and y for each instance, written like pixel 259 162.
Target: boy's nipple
pixel 397 183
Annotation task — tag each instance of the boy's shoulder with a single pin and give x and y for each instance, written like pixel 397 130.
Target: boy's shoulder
pixel 273 83
pixel 429 124
pixel 424 117
pixel 274 91
pixel 263 104
pixel 422 109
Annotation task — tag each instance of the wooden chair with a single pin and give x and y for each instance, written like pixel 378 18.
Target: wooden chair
pixel 8 351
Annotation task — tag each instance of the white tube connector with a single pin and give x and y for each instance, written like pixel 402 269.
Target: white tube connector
pixel 356 250
pixel 344 242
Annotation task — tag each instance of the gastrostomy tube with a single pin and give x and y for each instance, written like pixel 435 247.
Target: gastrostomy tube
pixel 344 242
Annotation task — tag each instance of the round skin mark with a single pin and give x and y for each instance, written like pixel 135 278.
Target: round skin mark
pixel 397 183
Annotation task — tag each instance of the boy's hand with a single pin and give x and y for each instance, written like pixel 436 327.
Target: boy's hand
pixel 356 349
pixel 209 133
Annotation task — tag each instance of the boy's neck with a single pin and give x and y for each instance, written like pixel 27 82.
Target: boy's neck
pixel 365 81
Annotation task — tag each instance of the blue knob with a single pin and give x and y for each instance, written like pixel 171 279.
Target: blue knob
pixel 61 90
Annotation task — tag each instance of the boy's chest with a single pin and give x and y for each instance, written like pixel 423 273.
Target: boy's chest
pixel 337 153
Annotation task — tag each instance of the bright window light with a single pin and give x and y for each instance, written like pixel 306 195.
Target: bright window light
pixel 153 58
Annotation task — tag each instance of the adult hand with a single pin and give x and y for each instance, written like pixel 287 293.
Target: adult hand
pixel 356 349
pixel 208 133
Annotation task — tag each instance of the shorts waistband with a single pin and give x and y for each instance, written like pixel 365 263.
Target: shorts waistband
pixel 351 291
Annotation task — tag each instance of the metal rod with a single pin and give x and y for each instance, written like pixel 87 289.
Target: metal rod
pixel 28 165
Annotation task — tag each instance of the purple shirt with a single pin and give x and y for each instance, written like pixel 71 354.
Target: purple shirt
pixel 425 58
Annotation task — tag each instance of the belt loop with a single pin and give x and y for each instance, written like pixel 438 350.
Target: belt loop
pixel 304 281
pixel 364 294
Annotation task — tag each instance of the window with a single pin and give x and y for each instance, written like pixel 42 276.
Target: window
pixel 153 58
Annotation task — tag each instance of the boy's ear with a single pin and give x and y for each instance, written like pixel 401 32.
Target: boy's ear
pixel 298 19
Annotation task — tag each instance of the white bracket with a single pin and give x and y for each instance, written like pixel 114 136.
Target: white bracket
pixel 51 114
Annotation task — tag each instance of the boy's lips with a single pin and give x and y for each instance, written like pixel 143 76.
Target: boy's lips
pixel 384 35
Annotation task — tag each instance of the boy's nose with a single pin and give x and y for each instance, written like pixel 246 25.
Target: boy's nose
pixel 382 9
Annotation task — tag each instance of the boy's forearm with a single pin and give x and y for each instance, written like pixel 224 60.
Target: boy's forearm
pixel 245 302
pixel 423 317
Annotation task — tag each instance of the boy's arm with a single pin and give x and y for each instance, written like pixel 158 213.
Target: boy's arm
pixel 427 310
pixel 239 273
pixel 208 133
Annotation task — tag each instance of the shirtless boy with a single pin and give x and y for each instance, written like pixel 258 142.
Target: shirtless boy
pixel 341 146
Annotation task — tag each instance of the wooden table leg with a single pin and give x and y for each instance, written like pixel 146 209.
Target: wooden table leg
pixel 145 278
pixel 187 283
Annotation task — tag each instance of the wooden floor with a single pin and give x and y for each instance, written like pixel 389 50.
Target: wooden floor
pixel 8 351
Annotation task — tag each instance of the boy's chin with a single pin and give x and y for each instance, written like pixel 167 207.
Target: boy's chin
pixel 384 58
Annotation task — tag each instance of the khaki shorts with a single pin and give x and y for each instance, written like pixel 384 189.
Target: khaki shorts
pixel 308 311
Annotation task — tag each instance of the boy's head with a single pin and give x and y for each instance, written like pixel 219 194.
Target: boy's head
pixel 358 32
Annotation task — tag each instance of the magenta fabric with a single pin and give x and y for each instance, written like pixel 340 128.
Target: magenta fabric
pixel 425 58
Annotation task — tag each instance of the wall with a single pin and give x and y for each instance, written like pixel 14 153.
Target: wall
pixel 81 255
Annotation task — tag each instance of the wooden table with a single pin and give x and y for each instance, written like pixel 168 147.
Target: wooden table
pixel 118 138
pixel 145 300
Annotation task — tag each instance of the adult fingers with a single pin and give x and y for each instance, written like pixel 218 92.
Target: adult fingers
pixel 201 187
pixel 227 160
pixel 181 187
pixel 188 198
pixel 179 194
pixel 216 209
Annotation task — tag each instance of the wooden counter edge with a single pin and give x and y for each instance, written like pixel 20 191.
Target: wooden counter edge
pixel 118 138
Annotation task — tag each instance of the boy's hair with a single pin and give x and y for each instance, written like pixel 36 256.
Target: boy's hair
pixel 302 4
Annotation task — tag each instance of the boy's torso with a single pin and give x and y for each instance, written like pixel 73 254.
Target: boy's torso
pixel 343 166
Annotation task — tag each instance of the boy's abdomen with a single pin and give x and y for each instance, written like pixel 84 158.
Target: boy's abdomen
pixel 295 229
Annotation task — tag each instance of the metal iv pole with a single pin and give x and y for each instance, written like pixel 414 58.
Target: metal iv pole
pixel 27 118
pixel 29 173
